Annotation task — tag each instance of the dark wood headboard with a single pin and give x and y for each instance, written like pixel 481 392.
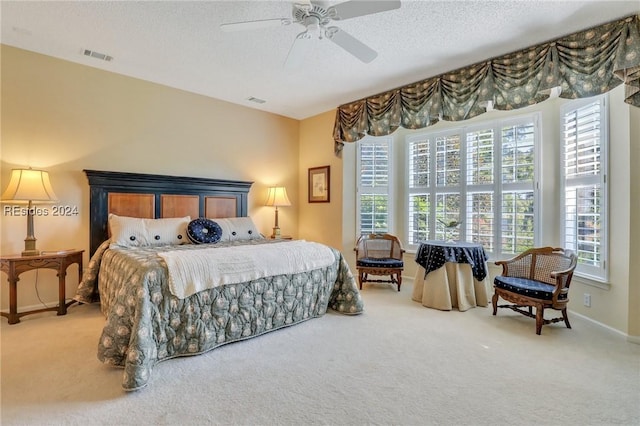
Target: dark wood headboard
pixel 159 196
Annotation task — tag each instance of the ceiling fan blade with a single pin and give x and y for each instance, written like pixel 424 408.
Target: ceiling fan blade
pixel 354 8
pixel 253 25
pixel 298 50
pixel 320 3
pixel 351 44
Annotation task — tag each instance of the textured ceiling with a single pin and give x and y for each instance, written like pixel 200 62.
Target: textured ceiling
pixel 179 43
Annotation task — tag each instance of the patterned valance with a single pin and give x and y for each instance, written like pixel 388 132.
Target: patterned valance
pixel 584 64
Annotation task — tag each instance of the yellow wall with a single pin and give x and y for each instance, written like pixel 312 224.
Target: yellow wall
pixel 320 221
pixel 633 300
pixel 65 117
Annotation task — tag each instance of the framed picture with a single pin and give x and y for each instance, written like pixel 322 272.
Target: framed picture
pixel 319 184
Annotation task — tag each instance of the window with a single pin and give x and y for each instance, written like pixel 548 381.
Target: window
pixel 374 203
pixel 481 176
pixel 517 187
pixel 584 152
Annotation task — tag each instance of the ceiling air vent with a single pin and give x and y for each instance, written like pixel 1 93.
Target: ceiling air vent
pixel 97 55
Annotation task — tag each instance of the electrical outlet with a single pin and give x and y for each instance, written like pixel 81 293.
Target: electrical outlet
pixel 587 300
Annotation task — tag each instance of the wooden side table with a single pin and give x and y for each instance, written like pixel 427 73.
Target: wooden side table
pixel 14 265
pixel 283 237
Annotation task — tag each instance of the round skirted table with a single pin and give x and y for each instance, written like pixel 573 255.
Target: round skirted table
pixel 451 274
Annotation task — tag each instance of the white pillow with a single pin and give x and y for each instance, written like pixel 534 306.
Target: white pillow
pixel 136 232
pixel 238 228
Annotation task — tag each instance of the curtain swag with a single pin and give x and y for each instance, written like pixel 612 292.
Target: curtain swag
pixel 583 64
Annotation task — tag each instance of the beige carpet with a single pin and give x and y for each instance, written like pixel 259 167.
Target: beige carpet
pixel 399 363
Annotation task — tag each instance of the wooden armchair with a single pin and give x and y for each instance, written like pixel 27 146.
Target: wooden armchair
pixel 540 278
pixel 379 254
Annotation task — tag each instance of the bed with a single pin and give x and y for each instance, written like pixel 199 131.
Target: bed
pixel 153 309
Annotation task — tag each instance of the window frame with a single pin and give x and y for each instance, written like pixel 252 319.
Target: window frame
pixel 388 191
pixel 464 188
pixel 601 273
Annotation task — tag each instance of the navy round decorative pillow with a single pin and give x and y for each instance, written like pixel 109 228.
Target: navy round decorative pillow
pixel 203 231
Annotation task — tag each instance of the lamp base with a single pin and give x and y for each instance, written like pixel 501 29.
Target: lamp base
pixel 30 247
pixel 276 233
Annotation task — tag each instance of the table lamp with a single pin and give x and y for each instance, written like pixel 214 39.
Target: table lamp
pixel 277 197
pixel 28 186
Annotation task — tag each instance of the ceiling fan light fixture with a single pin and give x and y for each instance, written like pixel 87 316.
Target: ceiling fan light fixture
pixel 313 24
pixel 316 16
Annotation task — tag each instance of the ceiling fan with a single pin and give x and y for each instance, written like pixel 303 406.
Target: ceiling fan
pixel 316 16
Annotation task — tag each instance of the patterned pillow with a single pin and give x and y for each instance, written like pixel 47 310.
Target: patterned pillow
pixel 204 231
pixel 136 232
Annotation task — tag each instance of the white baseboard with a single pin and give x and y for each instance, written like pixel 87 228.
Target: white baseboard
pixel 631 339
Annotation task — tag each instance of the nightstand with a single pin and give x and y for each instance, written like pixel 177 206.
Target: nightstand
pixel 282 237
pixel 14 265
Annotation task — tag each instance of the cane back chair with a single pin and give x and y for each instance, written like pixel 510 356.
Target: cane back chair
pixel 380 255
pixel 538 278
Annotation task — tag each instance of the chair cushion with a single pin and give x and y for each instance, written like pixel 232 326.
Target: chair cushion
pixel 371 262
pixel 526 287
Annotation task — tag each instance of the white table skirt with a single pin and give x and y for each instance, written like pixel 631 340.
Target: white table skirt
pixel 451 286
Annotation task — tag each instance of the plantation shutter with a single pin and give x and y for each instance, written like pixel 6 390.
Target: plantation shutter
pixel 584 185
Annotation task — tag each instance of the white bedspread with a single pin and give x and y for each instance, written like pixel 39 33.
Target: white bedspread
pixel 191 271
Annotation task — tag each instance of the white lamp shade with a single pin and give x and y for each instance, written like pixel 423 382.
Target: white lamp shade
pixel 29 185
pixel 277 197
